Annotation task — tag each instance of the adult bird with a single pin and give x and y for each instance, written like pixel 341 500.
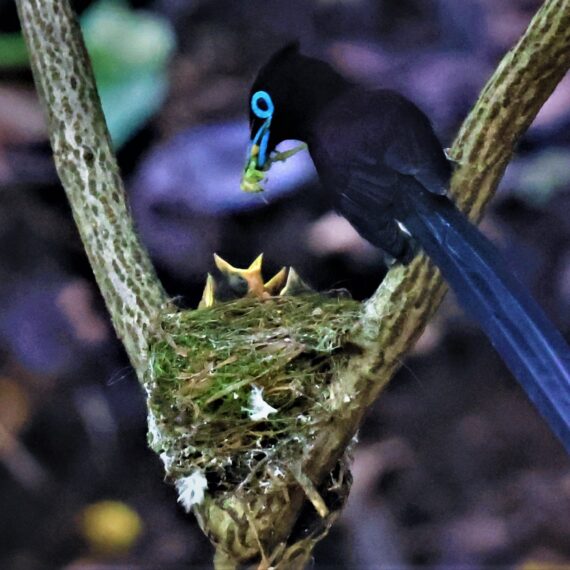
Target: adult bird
pixel 378 157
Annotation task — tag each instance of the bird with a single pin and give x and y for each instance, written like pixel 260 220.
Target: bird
pixel 385 171
pixel 229 283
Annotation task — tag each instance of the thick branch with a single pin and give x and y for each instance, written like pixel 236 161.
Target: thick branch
pixel 508 104
pixel 88 171
pixel 397 314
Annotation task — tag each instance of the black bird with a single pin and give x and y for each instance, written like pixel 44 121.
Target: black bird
pixel 380 160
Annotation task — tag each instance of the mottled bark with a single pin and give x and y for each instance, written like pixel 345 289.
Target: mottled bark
pixel 88 170
pixel 408 297
pixel 398 312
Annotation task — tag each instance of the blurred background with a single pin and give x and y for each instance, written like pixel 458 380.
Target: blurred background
pixel 454 467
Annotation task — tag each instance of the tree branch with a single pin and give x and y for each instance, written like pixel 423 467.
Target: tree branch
pixel 397 314
pixel 88 171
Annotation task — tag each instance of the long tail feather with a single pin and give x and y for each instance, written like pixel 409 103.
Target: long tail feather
pixel 528 342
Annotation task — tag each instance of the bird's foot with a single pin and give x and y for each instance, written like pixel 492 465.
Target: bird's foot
pixel 450 157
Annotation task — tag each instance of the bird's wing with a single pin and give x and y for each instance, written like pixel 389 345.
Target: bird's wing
pixel 427 166
pixel 413 148
pixel 396 138
pixel 378 145
pixel 369 201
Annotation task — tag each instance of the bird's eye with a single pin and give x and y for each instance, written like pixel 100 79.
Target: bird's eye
pixel 262 105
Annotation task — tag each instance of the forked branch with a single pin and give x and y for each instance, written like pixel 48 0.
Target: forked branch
pixel 390 322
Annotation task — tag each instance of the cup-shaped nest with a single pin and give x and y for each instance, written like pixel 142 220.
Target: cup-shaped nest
pixel 237 395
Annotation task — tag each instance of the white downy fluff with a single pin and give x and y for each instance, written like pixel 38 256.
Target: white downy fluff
pixel 259 409
pixel 191 489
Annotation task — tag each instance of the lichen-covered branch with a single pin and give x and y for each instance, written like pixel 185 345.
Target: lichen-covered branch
pixel 508 104
pixel 396 315
pixel 88 170
pixel 510 101
pixel 525 78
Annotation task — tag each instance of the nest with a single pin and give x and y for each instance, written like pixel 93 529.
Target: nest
pixel 237 391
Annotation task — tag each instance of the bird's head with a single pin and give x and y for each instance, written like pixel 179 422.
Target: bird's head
pixel 284 102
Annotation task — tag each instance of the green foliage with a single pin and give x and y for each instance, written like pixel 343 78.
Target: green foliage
pixel 540 176
pixel 13 51
pixel 129 51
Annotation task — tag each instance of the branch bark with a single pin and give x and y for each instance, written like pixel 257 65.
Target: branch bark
pixel 88 170
pixel 397 314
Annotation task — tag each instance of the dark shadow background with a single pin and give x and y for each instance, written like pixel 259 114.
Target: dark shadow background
pixel 454 467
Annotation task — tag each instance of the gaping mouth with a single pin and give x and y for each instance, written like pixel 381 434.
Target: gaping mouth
pixel 255 170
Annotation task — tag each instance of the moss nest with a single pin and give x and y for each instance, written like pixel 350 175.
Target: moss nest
pixel 237 391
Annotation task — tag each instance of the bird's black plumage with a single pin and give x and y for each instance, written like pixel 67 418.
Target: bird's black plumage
pixel 377 155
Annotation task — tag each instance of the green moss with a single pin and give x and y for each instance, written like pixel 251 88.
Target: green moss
pixel 207 364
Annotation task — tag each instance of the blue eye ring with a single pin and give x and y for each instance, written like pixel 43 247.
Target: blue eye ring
pixel 264 97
